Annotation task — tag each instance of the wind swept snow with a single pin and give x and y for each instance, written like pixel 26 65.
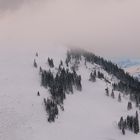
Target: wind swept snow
pixel 88 115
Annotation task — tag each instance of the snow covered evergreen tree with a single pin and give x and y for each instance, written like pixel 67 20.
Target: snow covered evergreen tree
pixel 129 106
pixel 112 94
pixel 119 97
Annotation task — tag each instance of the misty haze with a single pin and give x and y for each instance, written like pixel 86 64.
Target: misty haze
pixel 70 69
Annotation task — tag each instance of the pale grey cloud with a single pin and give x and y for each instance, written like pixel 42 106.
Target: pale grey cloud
pixel 108 27
pixel 14 4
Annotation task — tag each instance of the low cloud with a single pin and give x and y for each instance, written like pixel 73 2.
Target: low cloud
pixel 14 4
pixel 108 27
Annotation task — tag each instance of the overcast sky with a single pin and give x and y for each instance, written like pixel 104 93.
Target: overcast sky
pixel 110 28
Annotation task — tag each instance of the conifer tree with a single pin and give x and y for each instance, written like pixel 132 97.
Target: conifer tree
pixel 38 94
pixel 92 77
pixel 40 70
pixel 129 106
pixel 119 97
pixel 112 94
pixel 136 124
pixel 36 54
pixel 107 91
pixel 137 102
pixel 35 64
pixel 120 124
pixel 123 131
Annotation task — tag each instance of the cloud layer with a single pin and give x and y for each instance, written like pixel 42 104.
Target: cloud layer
pixel 14 4
pixel 108 27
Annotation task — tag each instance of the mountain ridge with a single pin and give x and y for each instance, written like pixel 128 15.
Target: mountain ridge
pixel 88 114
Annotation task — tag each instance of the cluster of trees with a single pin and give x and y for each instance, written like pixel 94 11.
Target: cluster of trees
pixel 127 84
pixel 92 76
pixel 50 62
pixel 135 98
pixel 130 123
pixel 73 54
pixel 95 74
pixel 73 59
pixel 100 75
pixel 128 88
pixel 112 94
pixel 51 109
pixel 46 78
pixel 63 82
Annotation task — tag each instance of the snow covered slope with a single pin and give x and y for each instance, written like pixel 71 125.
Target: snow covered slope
pixel 88 115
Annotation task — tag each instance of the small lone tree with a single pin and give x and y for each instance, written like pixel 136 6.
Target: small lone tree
pixel 38 94
pixel 35 64
pixel 36 54
pixel 119 97
pixel 112 94
pixel 40 70
pixel 120 124
pixel 92 77
pixel 107 91
pixel 137 102
pixel 123 131
pixel 136 124
pixel 129 106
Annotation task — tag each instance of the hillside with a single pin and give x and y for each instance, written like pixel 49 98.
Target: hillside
pixel 88 114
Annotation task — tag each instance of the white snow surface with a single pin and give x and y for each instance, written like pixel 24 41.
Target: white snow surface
pixel 88 115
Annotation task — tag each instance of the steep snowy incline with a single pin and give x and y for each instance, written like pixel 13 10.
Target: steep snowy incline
pixel 20 108
pixel 17 96
pixel 89 114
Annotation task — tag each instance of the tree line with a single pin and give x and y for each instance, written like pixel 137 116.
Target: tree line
pixel 60 84
pixel 126 84
pixel 129 123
